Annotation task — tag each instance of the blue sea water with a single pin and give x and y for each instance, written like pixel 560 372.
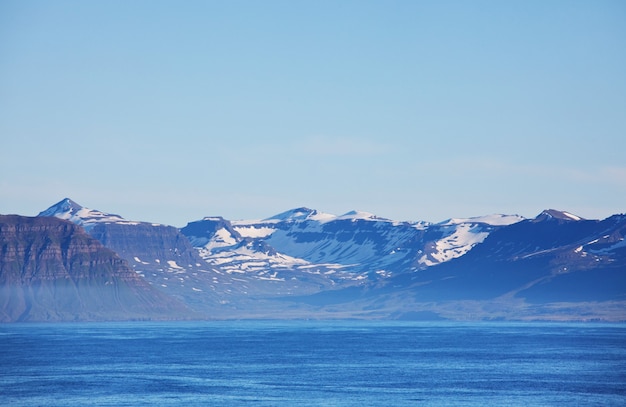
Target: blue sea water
pixel 273 363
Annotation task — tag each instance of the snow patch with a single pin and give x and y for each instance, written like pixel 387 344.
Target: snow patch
pixel 458 243
pixel 617 245
pixel 493 220
pixel 254 231
pixel 138 260
pixel 572 216
pixel 173 265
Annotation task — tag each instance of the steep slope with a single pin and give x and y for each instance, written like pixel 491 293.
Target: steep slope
pixel 51 270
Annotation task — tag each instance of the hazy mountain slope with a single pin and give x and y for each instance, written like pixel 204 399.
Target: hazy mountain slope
pixel 161 255
pixel 51 270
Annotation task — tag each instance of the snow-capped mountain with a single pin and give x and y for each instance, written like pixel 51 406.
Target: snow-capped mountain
pixel 240 248
pixel 354 245
pixel 79 215
pixel 297 252
pixel 554 266
pixel 304 262
pixel 557 215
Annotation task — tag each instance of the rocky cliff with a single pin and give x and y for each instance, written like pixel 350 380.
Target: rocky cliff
pixel 51 270
pixel 152 245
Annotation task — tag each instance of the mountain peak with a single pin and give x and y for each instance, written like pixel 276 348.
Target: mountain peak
pixel 69 210
pixel 553 214
pixel 66 205
pixel 301 213
pixel 293 214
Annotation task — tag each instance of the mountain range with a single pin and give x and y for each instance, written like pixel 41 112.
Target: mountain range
pixel 303 263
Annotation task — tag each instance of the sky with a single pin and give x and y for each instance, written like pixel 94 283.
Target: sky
pixel 169 111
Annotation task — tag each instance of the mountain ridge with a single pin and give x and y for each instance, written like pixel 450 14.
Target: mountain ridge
pixel 305 263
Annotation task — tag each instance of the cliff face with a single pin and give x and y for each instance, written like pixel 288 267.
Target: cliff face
pixel 147 243
pixel 51 270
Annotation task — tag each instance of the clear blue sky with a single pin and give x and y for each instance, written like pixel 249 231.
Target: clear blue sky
pixel 169 111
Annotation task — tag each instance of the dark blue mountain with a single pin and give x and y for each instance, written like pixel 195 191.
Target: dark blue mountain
pixel 537 268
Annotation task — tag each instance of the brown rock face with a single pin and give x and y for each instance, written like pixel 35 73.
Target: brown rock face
pixel 51 270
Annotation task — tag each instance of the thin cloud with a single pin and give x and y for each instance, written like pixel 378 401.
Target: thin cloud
pixel 616 175
pixel 476 166
pixel 341 146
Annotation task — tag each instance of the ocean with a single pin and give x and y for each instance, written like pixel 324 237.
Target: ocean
pixel 312 363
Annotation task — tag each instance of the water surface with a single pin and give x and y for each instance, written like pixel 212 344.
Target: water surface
pixel 312 364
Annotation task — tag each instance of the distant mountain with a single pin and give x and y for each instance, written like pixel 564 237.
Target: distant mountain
pixel 51 270
pixel 303 263
pixel 150 245
pixel 87 218
pixel 158 253
pixel 354 247
pixel 555 266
